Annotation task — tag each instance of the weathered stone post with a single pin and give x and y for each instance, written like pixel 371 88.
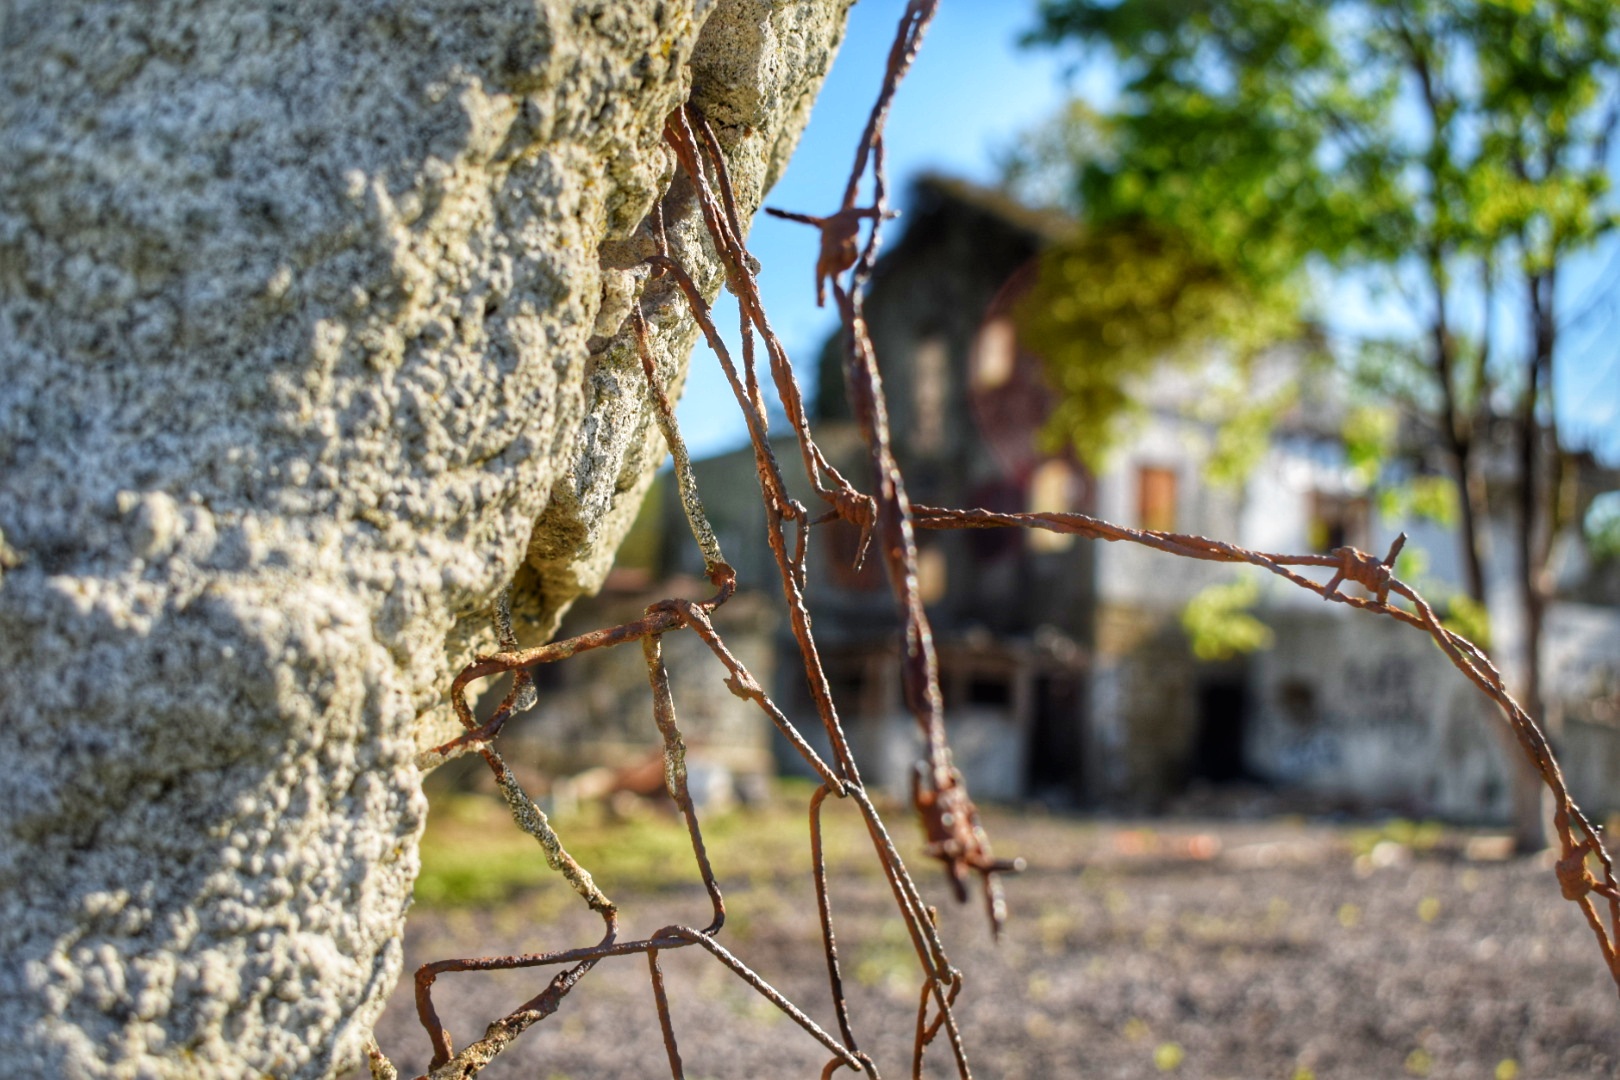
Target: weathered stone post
pixel 312 336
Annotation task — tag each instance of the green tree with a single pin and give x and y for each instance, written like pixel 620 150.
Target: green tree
pixel 1455 149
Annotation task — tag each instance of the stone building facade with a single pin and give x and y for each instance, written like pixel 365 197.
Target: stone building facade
pixel 1066 671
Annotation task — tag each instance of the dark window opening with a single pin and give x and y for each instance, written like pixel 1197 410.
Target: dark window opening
pixel 1296 700
pixel 1218 748
pixel 991 690
pixel 1337 521
pixel 848 683
pixel 1057 743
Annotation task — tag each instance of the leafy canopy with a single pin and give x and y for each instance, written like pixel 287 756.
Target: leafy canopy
pixel 1450 150
pixel 1256 140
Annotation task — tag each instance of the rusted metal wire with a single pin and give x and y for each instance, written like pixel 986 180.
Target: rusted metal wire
pixel 818 860
pixel 665 1024
pixel 1579 840
pixel 949 819
pixel 675 772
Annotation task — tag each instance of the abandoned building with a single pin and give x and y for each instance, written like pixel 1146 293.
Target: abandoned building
pixel 1066 671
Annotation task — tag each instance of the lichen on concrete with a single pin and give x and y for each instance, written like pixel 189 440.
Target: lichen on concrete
pixel 313 326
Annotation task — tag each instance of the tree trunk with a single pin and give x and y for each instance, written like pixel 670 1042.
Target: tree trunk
pixel 1533 532
pixel 1528 794
pixel 1457 427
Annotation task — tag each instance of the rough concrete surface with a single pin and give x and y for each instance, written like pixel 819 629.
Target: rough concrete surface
pixel 312 336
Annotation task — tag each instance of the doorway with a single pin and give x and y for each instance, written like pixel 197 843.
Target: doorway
pixel 1223 706
pixel 1056 746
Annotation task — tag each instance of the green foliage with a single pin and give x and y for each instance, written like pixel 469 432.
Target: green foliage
pixel 1412 564
pixel 1602 526
pixel 1468 617
pixel 1421 836
pixel 472 856
pixel 1433 498
pixel 1270 130
pixel 1232 126
pixel 1430 498
pixel 1256 140
pixel 1218 622
pixel 1369 438
pixel 1545 74
pixel 1117 300
pixel 1243 431
pixel 1459 612
pixel 1039 169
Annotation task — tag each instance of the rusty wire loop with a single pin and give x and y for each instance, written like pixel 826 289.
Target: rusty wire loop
pixel 949 819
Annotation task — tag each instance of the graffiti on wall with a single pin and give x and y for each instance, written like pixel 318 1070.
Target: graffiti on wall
pixel 1388 696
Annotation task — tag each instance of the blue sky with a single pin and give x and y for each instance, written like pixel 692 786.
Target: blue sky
pixel 972 91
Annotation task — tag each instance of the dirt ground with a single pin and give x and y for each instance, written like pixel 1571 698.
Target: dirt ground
pixel 1244 949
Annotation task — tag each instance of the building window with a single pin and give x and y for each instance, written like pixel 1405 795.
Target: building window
pixel 1051 491
pixel 932 576
pixel 1296 700
pixel 1156 498
pixel 1337 521
pixel 849 684
pixel 968 682
pixel 931 390
pixel 995 354
pixel 992 690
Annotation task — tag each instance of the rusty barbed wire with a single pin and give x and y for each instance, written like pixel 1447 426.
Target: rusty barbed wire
pixel 939 794
pixel 949 819
pixel 1575 878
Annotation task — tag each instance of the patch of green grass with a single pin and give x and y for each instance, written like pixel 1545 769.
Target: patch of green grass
pixel 1420 836
pixel 474 856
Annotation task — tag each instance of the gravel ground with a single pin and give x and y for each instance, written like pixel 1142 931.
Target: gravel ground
pixel 1279 948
